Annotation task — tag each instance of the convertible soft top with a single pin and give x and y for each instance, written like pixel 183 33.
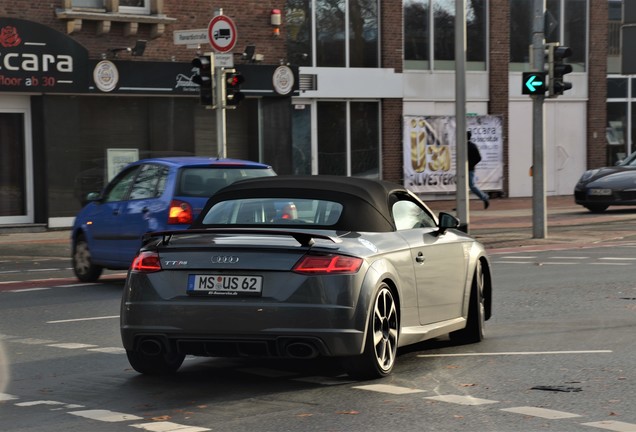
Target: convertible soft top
pixel 365 201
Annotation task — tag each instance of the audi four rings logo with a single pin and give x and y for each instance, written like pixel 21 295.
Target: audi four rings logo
pixel 224 259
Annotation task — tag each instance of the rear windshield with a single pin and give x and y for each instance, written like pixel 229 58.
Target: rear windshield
pixel 206 181
pixel 274 211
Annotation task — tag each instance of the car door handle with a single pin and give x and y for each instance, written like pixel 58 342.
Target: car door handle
pixel 145 210
pixel 115 212
pixel 420 258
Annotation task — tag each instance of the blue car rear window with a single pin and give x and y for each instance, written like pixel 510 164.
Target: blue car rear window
pixel 206 181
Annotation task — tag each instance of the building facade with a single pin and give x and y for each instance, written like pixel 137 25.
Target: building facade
pixel 85 82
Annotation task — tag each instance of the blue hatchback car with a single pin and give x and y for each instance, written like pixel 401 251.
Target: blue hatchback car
pixel 148 195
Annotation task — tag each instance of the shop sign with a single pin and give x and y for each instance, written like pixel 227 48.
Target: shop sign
pixel 36 58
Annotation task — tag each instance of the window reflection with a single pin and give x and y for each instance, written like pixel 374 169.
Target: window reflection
pixel 299 18
pixel 335 36
pixel 418 32
pixel 330 33
pixel 566 23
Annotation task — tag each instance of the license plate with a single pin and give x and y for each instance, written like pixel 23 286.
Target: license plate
pixel 225 285
pixel 601 192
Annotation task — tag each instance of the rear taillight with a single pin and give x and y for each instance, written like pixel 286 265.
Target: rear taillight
pixel 180 213
pixel 327 264
pixel 146 262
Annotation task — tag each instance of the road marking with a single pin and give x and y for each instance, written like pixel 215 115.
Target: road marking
pixel 28 289
pixel 168 427
pixel 618 259
pixel 71 345
pixel 105 415
pixel 567 257
pixel 516 353
pixel 462 400
pixel 42 270
pixel 83 319
pixel 557 263
pixel 38 402
pixel 540 412
pixel 515 257
pixel 33 341
pixel 7 397
pixel 7 272
pixel 385 388
pixel 78 285
pixel 611 263
pixel 108 350
pixel 613 425
pixel 514 262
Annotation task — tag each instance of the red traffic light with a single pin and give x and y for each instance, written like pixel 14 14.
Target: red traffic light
pixel 235 80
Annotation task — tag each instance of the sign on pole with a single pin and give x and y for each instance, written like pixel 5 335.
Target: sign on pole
pixel 222 33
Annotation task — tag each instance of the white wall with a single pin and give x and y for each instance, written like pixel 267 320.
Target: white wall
pixel 565 146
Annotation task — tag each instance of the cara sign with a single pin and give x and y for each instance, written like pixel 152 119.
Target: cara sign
pixel 222 33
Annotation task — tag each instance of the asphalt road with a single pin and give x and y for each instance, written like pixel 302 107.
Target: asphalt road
pixel 558 357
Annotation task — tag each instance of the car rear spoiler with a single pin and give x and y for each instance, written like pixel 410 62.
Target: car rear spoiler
pixel 304 238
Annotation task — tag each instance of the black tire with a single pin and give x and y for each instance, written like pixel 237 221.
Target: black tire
pixel 160 364
pixel 380 348
pixel 475 322
pixel 596 208
pixel 83 266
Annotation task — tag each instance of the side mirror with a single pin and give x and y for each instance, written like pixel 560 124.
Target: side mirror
pixel 93 196
pixel 446 221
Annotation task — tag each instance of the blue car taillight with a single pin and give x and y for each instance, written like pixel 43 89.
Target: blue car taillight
pixel 180 213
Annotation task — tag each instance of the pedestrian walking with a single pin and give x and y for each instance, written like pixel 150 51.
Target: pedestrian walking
pixel 474 157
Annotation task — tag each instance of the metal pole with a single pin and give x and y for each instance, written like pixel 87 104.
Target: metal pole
pixel 221 134
pixel 539 216
pixel 221 120
pixel 460 113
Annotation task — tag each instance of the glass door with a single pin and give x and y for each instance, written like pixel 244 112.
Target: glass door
pixel 15 182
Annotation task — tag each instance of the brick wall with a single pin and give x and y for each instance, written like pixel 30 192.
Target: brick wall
pixel 392 53
pixel 499 57
pixel 597 105
pixel 252 18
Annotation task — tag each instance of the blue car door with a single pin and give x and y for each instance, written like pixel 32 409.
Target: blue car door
pixel 144 211
pixel 105 225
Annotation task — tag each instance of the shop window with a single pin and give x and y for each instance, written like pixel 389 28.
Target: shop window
pixel 348 138
pixel 429 31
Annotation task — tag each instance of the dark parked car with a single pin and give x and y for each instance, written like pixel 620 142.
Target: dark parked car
pixel 148 195
pixel 356 269
pixel 600 188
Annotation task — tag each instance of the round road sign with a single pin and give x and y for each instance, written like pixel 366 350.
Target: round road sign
pixel 222 33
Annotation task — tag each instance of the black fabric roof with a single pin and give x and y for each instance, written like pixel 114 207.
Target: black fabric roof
pixel 365 201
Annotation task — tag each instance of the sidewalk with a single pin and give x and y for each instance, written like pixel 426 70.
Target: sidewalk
pixel 506 224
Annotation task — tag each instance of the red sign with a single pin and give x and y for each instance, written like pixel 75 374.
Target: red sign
pixel 222 33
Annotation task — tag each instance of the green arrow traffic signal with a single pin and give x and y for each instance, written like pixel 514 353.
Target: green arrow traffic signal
pixel 533 83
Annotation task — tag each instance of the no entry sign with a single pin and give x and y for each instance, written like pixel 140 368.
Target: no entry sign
pixel 222 33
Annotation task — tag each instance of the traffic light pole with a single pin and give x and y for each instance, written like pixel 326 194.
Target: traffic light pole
pixel 539 213
pixel 221 130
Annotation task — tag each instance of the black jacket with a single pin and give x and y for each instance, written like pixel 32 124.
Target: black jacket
pixel 474 157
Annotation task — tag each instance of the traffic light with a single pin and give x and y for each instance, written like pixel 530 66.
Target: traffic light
pixel 557 69
pixel 233 81
pixel 533 83
pixel 204 78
